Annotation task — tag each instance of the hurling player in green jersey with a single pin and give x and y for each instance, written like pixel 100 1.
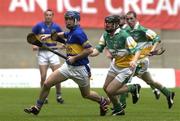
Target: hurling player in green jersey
pixel 123 49
pixel 121 22
pixel 148 41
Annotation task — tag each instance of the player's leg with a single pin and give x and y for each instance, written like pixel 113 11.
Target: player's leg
pixel 55 64
pixel 82 78
pixel 141 69
pixel 53 79
pixel 94 96
pixel 122 99
pixel 58 87
pixel 110 89
pixel 43 73
pixel 117 87
pixel 156 92
pixel 110 76
pixel 169 95
pixel 43 67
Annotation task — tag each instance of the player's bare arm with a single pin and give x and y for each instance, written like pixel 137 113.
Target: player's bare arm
pixel 155 46
pixel 35 48
pixel 107 53
pixel 133 63
pixel 94 53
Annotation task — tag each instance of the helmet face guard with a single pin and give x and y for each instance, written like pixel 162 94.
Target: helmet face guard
pixel 110 24
pixel 72 15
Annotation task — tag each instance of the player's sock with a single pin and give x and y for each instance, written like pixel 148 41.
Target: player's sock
pixel 152 87
pixel 46 101
pixel 134 89
pixel 39 103
pixel 156 93
pixel 122 99
pixel 165 91
pixel 117 107
pixel 104 102
pixel 131 88
pixel 59 98
pixel 58 94
pixel 118 110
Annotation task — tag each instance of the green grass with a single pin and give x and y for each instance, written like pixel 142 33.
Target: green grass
pixel 13 101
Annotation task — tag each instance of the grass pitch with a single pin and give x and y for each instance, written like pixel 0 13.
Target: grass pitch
pixel 75 108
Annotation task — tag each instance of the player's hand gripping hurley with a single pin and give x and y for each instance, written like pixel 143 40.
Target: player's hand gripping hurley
pixel 32 39
pixel 159 51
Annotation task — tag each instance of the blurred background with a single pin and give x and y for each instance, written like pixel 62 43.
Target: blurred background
pixel 15 52
pixel 18 17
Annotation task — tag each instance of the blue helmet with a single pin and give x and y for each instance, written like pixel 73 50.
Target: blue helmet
pixel 72 14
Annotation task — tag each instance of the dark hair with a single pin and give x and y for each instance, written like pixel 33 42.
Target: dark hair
pixel 132 12
pixel 116 18
pixel 110 19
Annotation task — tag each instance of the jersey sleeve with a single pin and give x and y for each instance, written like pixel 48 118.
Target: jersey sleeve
pixel 58 28
pixel 153 36
pixel 83 39
pixel 36 29
pixel 66 34
pixel 131 45
pixel 101 45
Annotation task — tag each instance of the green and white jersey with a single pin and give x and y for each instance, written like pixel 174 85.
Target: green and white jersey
pixel 124 27
pixel 144 37
pixel 121 46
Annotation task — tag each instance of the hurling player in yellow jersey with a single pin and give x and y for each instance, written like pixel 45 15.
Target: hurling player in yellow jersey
pixel 121 22
pixel 123 49
pixel 148 41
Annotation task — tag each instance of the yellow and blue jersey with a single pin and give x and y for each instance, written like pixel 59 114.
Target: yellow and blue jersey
pixel 76 42
pixel 41 29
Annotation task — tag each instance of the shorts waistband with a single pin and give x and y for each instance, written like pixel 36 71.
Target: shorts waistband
pixel 86 66
pixel 51 48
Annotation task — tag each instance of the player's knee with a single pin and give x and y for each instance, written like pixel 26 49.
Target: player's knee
pixel 105 88
pixel 149 81
pixel 46 85
pixel 43 77
pixel 86 96
pixel 109 91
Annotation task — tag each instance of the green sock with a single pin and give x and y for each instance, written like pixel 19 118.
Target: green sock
pixel 152 87
pixel 122 98
pixel 117 107
pixel 165 91
pixel 131 88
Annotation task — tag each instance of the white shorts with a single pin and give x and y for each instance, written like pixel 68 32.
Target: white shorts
pixel 142 67
pixel 123 75
pixel 78 74
pixel 46 57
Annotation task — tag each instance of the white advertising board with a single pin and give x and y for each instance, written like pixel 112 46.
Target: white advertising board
pixel 30 78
